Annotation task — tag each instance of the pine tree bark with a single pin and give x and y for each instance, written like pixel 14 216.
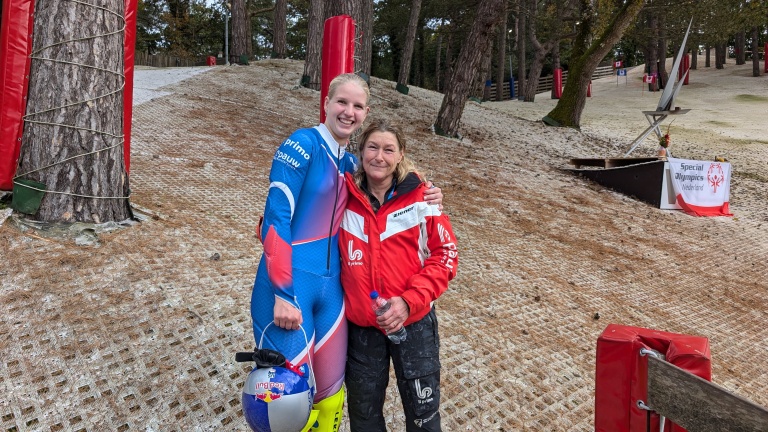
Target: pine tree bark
pixel 240 21
pixel 76 150
pixel 662 52
pixel 585 58
pixel 484 74
pixel 313 62
pixel 365 32
pixel 438 50
pixel 279 43
pixel 522 35
pixel 501 54
pixel 720 55
pixel 755 56
pixel 653 51
pixel 410 41
pixel 470 58
pixel 740 42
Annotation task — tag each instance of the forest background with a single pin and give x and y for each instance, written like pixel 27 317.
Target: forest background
pixel 427 35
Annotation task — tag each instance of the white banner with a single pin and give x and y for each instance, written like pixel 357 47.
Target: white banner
pixel 702 188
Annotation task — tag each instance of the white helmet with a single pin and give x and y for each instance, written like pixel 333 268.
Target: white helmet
pixel 277 399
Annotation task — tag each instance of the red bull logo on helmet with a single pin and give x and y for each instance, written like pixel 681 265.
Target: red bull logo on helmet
pixel 268 396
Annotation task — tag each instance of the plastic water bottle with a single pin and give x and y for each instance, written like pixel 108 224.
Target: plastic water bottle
pixel 381 305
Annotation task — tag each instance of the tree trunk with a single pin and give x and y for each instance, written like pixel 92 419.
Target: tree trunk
pixel 365 24
pixel 662 52
pixel 240 42
pixel 740 42
pixel 694 55
pixel 313 62
pixel 755 56
pixel 540 52
pixel 501 54
pixel 585 59
pixel 534 73
pixel 419 58
pixel 653 51
pixel 470 59
pixel 86 169
pixel 437 61
pixel 522 35
pixel 708 56
pixel 448 69
pixel 410 40
pixel 720 55
pixel 279 38
pixel 484 75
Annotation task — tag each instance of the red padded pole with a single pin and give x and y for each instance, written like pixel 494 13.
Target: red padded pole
pixel 557 83
pixel 15 46
pixel 130 46
pixel 338 53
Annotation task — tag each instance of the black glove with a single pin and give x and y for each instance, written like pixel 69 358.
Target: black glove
pixel 263 358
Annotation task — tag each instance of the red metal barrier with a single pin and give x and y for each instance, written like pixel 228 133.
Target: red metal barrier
pixel 338 53
pixel 622 373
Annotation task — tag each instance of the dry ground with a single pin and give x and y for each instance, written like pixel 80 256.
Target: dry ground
pixel 139 332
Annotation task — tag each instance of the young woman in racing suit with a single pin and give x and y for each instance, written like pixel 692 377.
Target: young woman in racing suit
pixel 297 283
pixel 391 241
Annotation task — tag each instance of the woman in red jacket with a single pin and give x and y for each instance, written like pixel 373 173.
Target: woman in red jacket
pixel 393 242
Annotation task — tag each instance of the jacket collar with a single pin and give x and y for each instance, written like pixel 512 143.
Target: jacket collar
pixel 333 146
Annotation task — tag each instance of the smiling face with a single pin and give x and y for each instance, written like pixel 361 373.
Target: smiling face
pixel 345 110
pixel 380 155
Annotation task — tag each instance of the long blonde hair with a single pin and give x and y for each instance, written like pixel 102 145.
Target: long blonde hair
pixel 382 125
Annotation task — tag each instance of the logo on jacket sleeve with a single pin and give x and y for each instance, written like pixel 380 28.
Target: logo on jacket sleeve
pixel 355 255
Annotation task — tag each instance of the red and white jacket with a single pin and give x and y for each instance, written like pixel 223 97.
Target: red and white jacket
pixel 407 249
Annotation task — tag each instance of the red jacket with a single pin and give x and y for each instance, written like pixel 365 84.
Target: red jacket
pixel 407 249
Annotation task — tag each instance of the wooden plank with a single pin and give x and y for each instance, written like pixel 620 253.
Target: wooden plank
pixel 610 162
pixel 579 162
pixel 699 405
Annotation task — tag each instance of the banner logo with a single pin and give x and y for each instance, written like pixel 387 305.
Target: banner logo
pixel 715 176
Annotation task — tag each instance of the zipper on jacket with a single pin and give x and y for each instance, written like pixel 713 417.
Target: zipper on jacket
pixel 333 210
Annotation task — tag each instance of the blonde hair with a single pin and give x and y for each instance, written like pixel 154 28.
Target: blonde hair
pixel 346 78
pixel 403 168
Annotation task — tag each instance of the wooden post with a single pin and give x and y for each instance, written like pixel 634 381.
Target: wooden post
pixel 699 405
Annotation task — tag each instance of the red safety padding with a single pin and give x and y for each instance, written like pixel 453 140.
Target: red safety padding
pixel 557 84
pixel 15 46
pixel 130 46
pixel 338 53
pixel 621 376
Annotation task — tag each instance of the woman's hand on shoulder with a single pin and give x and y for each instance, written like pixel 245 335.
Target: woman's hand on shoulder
pixel 433 195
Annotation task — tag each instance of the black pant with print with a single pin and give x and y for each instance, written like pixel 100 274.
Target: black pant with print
pixel 417 369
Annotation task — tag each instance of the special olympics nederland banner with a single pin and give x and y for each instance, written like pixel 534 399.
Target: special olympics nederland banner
pixel 702 188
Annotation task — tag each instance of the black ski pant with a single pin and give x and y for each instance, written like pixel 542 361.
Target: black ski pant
pixel 417 369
